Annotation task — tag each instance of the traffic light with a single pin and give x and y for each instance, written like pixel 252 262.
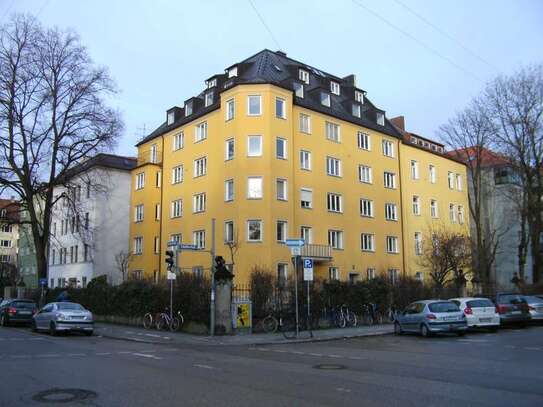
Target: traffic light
pixel 170 259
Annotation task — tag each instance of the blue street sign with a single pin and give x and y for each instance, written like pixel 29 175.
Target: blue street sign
pixel 308 269
pixel 184 246
pixel 43 282
pixel 294 242
pixel 308 263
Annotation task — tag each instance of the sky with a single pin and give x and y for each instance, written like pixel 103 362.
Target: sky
pixel 421 59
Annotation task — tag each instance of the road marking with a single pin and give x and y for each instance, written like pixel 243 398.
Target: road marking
pixel 297 352
pixel 145 355
pixel 473 340
pixel 170 350
pixel 153 335
pixel 315 354
pixel 20 356
pixel 48 355
pixel 204 366
pixel 123 352
pixel 333 356
pixel 76 354
pixel 147 351
pixel 532 348
pixel 103 353
pixel 510 346
pixel 343 390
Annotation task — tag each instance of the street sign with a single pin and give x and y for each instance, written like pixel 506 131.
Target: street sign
pixel 171 276
pixel 172 243
pixel 184 246
pixel 295 246
pixel 43 282
pixel 308 269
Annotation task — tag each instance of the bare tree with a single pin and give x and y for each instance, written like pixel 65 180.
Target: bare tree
pixel 53 116
pixel 516 105
pixel 122 260
pixel 233 246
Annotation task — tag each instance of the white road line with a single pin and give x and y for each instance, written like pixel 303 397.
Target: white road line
pixel 315 354
pixel 204 366
pixel 123 352
pixel 510 346
pixel 532 348
pixel 103 353
pixel 473 340
pixel 333 356
pixel 147 351
pixel 145 355
pixel 280 351
pixel 20 356
pixel 170 350
pixel 77 354
pixel 153 335
pixel 297 352
pixel 49 355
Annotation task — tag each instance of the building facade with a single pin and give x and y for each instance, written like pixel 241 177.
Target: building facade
pixel 273 149
pixel 89 225
pixel 26 260
pixel 9 234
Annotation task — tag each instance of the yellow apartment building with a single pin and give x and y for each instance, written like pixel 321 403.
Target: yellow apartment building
pixel 273 149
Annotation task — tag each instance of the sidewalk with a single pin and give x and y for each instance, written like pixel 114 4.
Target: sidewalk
pixel 135 334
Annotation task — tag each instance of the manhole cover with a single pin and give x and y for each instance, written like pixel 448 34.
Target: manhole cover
pixel 329 366
pixel 63 395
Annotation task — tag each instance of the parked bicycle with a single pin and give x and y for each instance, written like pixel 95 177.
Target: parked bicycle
pixel 287 325
pixel 163 320
pixel 368 315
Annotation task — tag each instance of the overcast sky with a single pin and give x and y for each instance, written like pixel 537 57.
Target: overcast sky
pixel 426 67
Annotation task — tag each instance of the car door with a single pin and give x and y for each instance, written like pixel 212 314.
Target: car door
pixel 42 318
pixel 418 316
pixel 407 317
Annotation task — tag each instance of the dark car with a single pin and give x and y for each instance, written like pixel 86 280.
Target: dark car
pixel 513 309
pixel 17 311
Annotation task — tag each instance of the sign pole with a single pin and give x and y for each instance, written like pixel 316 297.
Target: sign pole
pixel 212 304
pixel 308 305
pixel 296 294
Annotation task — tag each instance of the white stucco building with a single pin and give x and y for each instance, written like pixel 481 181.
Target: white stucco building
pixel 9 231
pixel 90 221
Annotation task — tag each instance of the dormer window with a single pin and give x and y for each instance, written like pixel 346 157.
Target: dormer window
pixel 303 75
pixel 357 110
pixel 170 118
pixel 359 96
pixel 380 119
pixel 188 109
pixel 298 89
pixel 334 88
pixel 325 99
pixel 414 140
pixel 212 83
pixel 233 72
pixel 208 99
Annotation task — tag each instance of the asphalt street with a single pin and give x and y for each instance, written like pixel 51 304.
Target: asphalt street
pixel 481 369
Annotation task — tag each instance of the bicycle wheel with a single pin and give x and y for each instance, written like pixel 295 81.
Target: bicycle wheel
pixel 174 324
pixel 269 324
pixel 161 322
pixel 340 320
pixel 148 320
pixel 288 328
pixel 353 319
pixel 181 319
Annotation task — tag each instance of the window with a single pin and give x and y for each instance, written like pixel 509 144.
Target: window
pixel 86 252
pixel 450 177
pixel 459 182
pixel 460 214
pixel 86 220
pixel 332 132
pixel 357 110
pixel 157 245
pixel 178 141
pixel 170 117
pixel 53 256
pixel 188 108
pixel 200 132
pixel 177 208
pixel 333 167
pixel 212 83
pixel 370 272
pixel 280 108
pixel 334 88
pixel 303 75
pixel 364 174
pixel 388 148
pixel 366 208
pixel 393 275
pixel 9 228
pixel 305 123
pixel 416 205
pixel 432 173
pixel 230 109
pixel 282 230
pixel 359 96
pixel 380 119
pixel 138 245
pixel 306 198
pixel 418 243
pixel 199 203
pixel 177 174
pixel 233 72
pixel 140 180
pixel 254 146
pixel 334 202
pixel 199 239
pixel 228 231
pixel 419 276
pixel 298 89
pixel 157 212
pixel 208 99
pixel 229 149
pixel 367 242
pixel 452 213
pixel 158 177
pixel 254 188
pixel 281 189
pixel 306 233
pixel 364 142
pixel 138 213
pixel 335 239
pixel 200 167
pixel 392 244
pixel 229 190
pixel 414 169
pixel 390 180
pixel 305 160
pixel 325 99
pixel 433 209
pixel 254 105
pixel 333 273
pixel 282 273
pixel 391 211
pixel 254 230
pixel 281 148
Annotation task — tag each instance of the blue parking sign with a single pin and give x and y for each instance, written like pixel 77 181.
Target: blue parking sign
pixel 308 263
pixel 43 282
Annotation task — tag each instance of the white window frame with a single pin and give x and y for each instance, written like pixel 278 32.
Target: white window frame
pixel 199 239
pixel 140 181
pixel 138 246
pixel 229 190
pixel 176 210
pixel 334 202
pixel 281 227
pixel 326 99
pixel 306 233
pixel 260 147
pixel 283 141
pixel 371 273
pixel 335 88
pixel 200 167
pixel 391 211
pixel 260 225
pixel 460 214
pixel 170 118
pixel 199 202
pixel 365 174
pixel 283 103
pixel 452 213
pixel 228 231
pixel 366 208
pixel 418 243
pixel 389 180
pixel 416 205
pixel 333 166
pixel 229 155
pixel 281 187
pixel 459 182
pixel 388 148
pixel 335 239
pixel 303 75
pixel 233 72
pixel 434 209
pixel 306 191
pixel 450 178
pixel 251 195
pixel 333 132
pixel 364 141
pixel 380 119
pixel 178 141
pixel 367 242
pixel 230 109
pixel 208 99
pixel 254 97
pixel 305 119
pixel 188 108
pixel 333 273
pixel 392 245
pixel 414 170
pixel 138 213
pixel 200 132
pixel 359 96
pixel 298 89
pixel 177 174
pixel 356 110
pixel 305 160
pixel 432 173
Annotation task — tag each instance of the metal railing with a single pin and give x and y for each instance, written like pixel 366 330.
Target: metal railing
pixel 317 251
pixel 149 157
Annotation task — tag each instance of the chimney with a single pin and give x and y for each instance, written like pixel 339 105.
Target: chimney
pixel 399 122
pixel 282 53
pixel 350 79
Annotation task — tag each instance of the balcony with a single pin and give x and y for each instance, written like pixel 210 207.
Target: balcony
pixel 149 157
pixel 317 252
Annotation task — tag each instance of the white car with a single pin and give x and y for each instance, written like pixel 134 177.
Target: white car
pixel 479 312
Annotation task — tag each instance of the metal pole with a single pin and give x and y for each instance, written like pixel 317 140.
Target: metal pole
pixel 212 305
pixel 171 299
pixel 308 304
pixel 296 293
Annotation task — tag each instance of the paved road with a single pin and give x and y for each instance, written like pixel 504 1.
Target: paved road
pixel 483 369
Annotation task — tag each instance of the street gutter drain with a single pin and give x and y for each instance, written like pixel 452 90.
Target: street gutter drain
pixel 329 366
pixel 63 395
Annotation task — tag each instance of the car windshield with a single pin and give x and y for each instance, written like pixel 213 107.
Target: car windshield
pixel 23 304
pixel 448 306
pixel 532 300
pixel 69 306
pixel 480 303
pixel 510 299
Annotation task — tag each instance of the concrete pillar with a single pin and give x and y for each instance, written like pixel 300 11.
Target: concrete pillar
pixel 223 315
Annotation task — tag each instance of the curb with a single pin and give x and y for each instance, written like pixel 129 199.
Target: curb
pixel 310 340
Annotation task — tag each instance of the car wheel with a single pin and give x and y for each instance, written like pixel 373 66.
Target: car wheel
pixel 397 328
pixel 3 320
pixel 33 326
pixel 424 331
pixel 52 329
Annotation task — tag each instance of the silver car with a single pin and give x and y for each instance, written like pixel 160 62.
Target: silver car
pixel 63 317
pixel 430 317
pixel 535 306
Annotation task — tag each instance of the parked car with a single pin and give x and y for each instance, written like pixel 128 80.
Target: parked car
pixel 17 311
pixel 535 307
pixel 431 316
pixel 512 308
pixel 63 317
pixel 480 312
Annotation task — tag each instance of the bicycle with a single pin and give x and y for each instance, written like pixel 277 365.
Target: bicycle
pixel 173 323
pixel 149 320
pixel 368 315
pixel 270 324
pixel 287 325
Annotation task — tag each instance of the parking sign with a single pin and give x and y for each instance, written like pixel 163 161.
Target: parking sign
pixel 308 269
